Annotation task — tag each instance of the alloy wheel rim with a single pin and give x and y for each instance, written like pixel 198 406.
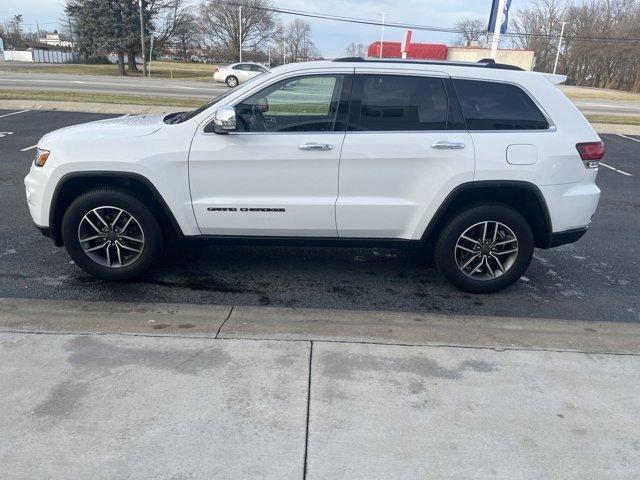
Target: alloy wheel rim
pixel 111 237
pixel 486 250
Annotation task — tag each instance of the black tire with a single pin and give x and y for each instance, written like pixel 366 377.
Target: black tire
pixel 146 220
pixel 445 251
pixel 231 81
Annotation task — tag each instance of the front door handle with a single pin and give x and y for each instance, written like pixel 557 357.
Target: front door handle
pixel 316 146
pixel 447 146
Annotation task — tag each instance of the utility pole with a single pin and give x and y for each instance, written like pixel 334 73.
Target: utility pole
pixel 150 54
pixel 382 14
pixel 144 55
pixel 496 29
pixel 70 32
pixel 240 29
pixel 269 56
pixel 38 30
pixel 555 65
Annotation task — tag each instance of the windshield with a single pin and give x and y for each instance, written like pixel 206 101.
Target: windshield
pixel 184 116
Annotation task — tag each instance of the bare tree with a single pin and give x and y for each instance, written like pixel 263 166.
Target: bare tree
pixel 14 34
pixel 220 25
pixel 175 27
pixel 542 19
pixel 471 30
pixel 598 48
pixel 356 50
pixel 298 39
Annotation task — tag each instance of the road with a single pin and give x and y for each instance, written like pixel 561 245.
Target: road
pixel 595 279
pixel 198 89
pixel 94 84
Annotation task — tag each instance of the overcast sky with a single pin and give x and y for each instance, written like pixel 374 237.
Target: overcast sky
pixel 331 37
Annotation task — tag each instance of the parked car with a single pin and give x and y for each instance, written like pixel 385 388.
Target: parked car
pixel 483 161
pixel 237 73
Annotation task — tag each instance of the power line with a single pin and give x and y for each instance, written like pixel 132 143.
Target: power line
pixel 429 28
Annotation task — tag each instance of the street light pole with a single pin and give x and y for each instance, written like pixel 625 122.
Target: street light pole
pixel 382 14
pixel 240 29
pixel 496 29
pixel 555 65
pixel 144 59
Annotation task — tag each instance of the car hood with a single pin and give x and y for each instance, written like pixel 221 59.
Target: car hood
pixel 127 126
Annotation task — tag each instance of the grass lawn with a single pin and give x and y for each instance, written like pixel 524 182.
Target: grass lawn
pixel 54 95
pixel 615 119
pixel 577 93
pixel 159 69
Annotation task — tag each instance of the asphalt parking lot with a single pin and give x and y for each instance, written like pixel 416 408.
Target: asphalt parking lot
pixel 595 279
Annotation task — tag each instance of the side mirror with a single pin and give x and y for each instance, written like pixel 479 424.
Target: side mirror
pixel 224 120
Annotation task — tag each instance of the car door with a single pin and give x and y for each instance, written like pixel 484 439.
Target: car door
pixel 405 150
pixel 277 175
pixel 243 72
pixel 256 70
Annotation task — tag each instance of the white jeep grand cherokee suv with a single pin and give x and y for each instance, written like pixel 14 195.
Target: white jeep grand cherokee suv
pixel 481 161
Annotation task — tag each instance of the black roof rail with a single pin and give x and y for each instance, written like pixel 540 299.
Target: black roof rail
pixel 485 63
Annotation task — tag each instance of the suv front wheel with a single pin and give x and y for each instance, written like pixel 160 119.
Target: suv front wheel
pixel 485 248
pixel 111 234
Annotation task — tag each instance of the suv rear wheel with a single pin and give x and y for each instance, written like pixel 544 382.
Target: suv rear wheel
pixel 485 248
pixel 111 234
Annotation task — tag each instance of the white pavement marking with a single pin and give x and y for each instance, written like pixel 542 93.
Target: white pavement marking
pixel 29 148
pixel 14 113
pixel 630 138
pixel 615 169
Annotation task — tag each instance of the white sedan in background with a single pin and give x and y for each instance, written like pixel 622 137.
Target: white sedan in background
pixel 237 73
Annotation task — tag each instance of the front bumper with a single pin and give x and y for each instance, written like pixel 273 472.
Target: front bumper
pixel 39 185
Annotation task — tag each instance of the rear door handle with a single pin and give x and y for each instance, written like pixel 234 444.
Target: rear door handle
pixel 316 146
pixel 447 146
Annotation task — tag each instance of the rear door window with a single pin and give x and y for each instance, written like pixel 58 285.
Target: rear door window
pixel 498 106
pixel 400 103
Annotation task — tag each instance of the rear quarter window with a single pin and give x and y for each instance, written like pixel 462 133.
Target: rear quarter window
pixel 498 106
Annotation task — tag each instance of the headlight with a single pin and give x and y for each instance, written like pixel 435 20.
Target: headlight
pixel 41 157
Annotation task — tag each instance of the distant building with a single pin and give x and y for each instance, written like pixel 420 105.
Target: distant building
pixel 524 59
pixel 418 51
pixel 54 40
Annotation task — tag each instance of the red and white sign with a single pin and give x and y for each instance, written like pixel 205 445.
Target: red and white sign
pixel 406 41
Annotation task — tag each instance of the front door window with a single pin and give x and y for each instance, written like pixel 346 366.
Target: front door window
pixel 302 104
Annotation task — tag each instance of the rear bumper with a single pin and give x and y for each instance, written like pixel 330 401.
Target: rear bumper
pixel 568 236
pixel 571 206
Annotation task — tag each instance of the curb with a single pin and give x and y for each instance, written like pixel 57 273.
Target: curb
pixel 294 324
pixel 88 107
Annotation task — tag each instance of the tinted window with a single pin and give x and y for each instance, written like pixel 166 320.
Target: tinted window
pixel 242 66
pixel 497 106
pixel 256 68
pixel 303 104
pixel 395 103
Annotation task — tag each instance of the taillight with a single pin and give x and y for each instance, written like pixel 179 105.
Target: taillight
pixel 216 70
pixel 591 153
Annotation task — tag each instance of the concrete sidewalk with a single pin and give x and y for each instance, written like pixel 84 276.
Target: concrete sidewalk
pixel 96 390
